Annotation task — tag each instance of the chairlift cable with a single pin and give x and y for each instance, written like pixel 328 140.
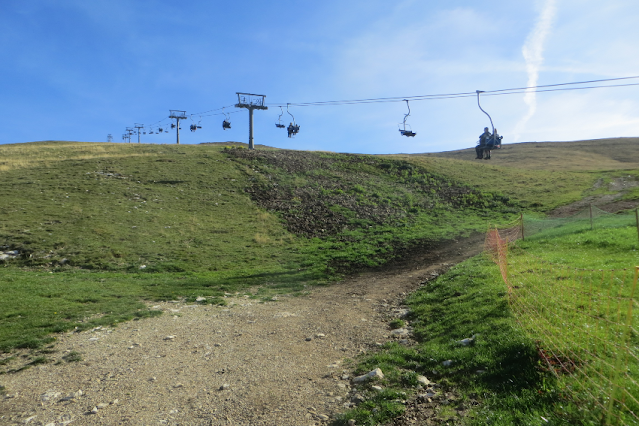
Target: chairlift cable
pixel 466 94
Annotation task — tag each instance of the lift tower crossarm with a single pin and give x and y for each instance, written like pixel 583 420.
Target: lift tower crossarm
pixel 251 102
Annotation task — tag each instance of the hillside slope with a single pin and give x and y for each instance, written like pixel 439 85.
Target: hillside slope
pixel 600 154
pixel 212 208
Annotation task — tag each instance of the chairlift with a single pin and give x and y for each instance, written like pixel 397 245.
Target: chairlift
pixel 403 131
pixel 483 150
pixel 292 128
pixel 279 124
pixel 226 124
pixel 160 130
pixel 173 125
pixel 194 126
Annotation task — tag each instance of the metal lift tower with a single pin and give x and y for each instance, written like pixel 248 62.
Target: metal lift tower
pixel 251 102
pixel 178 115
pixel 129 132
pixel 138 126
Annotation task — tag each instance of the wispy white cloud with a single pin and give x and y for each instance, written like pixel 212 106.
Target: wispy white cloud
pixel 533 54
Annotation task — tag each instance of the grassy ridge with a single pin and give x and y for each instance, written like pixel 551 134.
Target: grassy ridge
pixel 144 217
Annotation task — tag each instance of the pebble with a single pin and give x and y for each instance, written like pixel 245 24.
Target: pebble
pixel 468 341
pixel 49 395
pixel 225 386
pixel 377 388
pixel 169 338
pixel 447 363
pixel 102 405
pixel 400 332
pixel 323 417
pixel 424 381
pixel 94 410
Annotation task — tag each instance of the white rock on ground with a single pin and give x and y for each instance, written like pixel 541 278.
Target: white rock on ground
pixel 376 373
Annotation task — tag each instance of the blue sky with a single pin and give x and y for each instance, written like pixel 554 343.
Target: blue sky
pixel 79 70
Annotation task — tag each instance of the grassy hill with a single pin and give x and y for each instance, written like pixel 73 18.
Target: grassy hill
pixel 102 227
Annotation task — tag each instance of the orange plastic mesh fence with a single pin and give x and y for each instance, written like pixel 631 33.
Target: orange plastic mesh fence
pixel 582 321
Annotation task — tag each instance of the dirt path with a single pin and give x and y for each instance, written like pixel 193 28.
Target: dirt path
pixel 248 363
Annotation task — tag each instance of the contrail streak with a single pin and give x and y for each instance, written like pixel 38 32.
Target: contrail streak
pixel 533 55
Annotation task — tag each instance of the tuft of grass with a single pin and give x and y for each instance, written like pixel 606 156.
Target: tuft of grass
pixel 72 356
pixel 397 323
pixel 39 360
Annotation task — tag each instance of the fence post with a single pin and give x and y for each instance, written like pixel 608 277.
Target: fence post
pixel 637 218
pixel 521 221
pixel 591 228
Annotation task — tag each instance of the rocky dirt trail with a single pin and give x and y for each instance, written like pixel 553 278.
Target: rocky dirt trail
pixel 248 363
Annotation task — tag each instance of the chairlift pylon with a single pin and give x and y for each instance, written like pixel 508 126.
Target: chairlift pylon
pixel 403 131
pixel 292 128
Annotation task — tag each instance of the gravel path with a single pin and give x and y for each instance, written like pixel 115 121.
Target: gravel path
pixel 248 363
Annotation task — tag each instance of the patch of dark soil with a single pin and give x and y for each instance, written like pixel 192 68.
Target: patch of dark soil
pixel 321 194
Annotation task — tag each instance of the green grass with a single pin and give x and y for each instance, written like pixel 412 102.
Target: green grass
pixel 515 387
pixel 540 190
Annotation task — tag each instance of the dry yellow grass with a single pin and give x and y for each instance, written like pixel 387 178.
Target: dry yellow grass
pixel 600 154
pixel 18 156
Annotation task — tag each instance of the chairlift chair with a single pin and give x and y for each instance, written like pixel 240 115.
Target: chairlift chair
pixel 403 131
pixel 494 141
pixel 279 124
pixel 226 124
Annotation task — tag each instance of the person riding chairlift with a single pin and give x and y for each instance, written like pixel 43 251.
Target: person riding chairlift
pixel 292 129
pixel 487 143
pixel 481 146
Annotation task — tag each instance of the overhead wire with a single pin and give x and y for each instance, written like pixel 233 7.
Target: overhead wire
pixel 499 92
pixel 465 94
